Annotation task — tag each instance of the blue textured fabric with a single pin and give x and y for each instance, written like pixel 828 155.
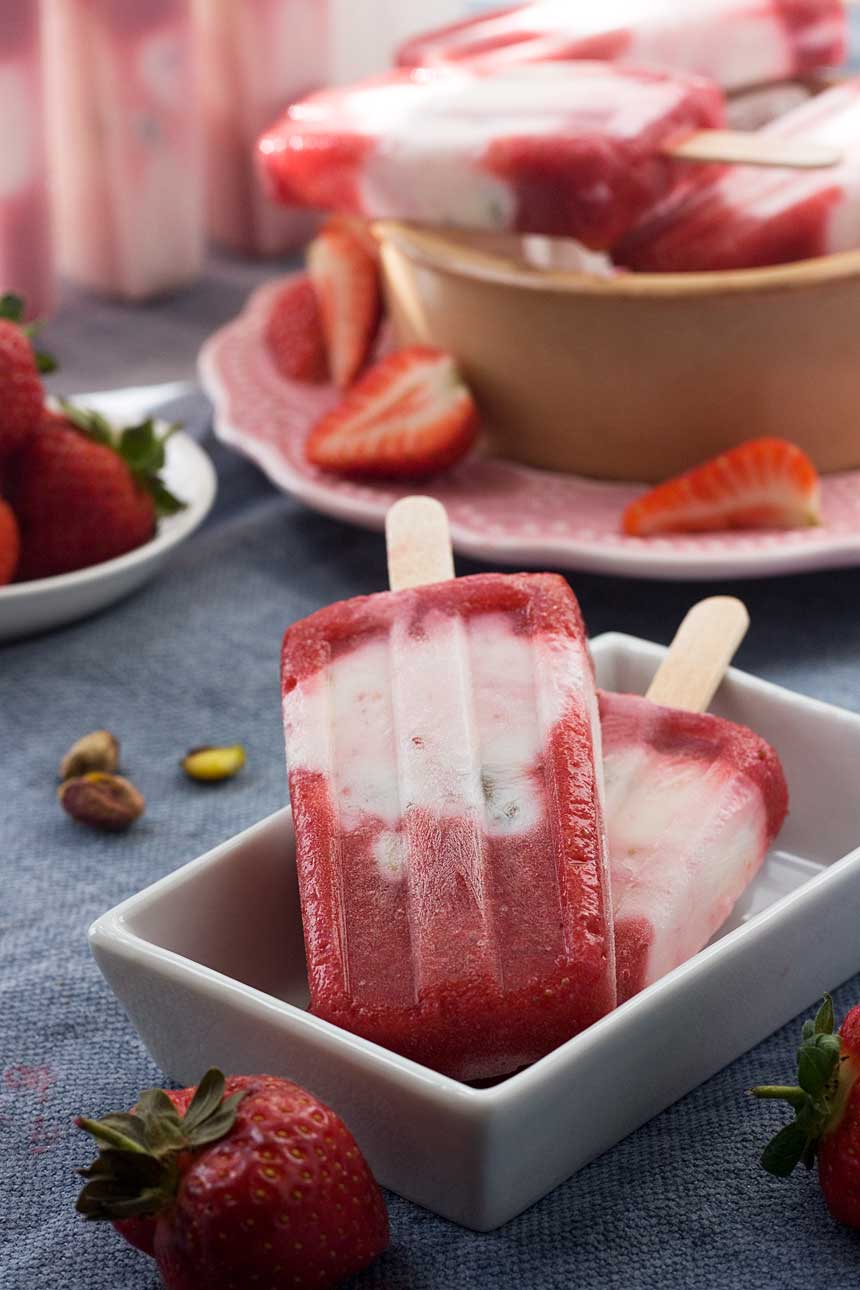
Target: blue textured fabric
pixel 192 659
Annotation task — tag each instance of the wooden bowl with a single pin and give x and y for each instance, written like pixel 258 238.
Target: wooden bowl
pixel 636 376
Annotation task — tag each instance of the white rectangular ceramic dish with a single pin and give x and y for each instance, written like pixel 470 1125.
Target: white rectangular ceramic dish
pixel 210 965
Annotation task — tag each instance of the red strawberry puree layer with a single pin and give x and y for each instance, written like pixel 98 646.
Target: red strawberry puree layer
pixel 441 745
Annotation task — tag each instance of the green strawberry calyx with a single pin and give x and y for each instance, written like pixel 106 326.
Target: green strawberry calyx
pixel 141 447
pixel 818 1098
pixel 140 1161
pixel 12 310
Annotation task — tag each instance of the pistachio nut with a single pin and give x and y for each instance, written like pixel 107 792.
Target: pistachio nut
pixel 99 750
pixel 101 801
pixel 212 764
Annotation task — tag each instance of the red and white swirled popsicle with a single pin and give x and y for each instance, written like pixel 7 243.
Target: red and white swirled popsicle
pixel 443 745
pixel 253 58
pixel 692 805
pixel 750 218
pixel 737 43
pixel 26 262
pixel 125 144
pixel 567 149
pixel 693 802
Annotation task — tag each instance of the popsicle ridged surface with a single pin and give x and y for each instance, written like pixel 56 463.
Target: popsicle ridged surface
pixel 443 746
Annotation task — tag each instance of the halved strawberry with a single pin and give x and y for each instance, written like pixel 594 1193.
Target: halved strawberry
pixel 410 416
pixel 760 484
pixel 294 333
pixel 345 274
pixel 355 226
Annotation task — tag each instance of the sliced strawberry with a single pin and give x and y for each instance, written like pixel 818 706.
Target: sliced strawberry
pixel 760 484
pixel 355 227
pixel 345 274
pixel 294 333
pixel 410 416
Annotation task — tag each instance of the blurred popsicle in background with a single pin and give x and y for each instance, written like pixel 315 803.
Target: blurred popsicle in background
pixel 139 93
pixel 255 58
pixel 737 43
pixel 126 159
pixel 367 33
pixel 750 218
pixel 26 263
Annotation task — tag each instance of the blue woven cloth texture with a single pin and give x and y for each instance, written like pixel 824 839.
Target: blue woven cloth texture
pixel 193 658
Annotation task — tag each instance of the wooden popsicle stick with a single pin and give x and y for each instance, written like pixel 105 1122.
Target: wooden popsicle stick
pixel 418 543
pixel 703 648
pixel 742 148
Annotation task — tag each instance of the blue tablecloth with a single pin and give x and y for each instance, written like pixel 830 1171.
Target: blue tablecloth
pixel 193 659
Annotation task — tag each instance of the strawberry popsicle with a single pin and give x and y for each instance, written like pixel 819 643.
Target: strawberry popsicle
pixel 366 34
pixel 26 265
pixel 734 42
pixel 749 217
pixel 255 57
pixel 565 149
pixel 126 157
pixel 443 746
pixel 692 805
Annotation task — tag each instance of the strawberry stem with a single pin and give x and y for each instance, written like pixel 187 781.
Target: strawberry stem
pixel 140 446
pixel 781 1092
pixel 143 1153
pixel 109 1136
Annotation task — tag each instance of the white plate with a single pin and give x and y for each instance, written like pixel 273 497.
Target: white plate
pixel 209 963
pixel 29 607
pixel 499 510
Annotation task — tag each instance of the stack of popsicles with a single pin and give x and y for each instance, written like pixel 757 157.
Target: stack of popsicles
pixel 490 854
pixel 572 121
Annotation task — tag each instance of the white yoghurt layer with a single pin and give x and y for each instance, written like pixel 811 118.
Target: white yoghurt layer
pixel 454 722
pixel 685 838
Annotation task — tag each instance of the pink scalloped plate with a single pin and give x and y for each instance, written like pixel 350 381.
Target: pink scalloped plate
pixel 499 510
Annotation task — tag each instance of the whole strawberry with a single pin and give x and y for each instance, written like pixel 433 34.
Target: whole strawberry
pixel 826 1103
pixel 21 394
pixel 10 543
pixel 84 493
pixel 248 1181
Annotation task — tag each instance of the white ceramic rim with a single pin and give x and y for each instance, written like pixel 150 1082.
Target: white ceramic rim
pixel 111 930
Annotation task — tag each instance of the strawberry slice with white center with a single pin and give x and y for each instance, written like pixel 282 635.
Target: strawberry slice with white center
pixel 760 484
pixel 345 274
pixel 409 417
